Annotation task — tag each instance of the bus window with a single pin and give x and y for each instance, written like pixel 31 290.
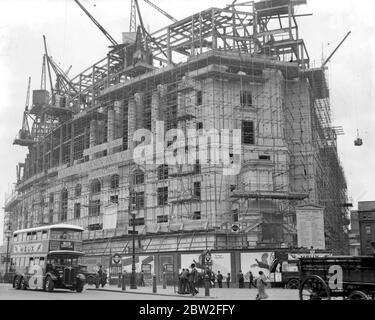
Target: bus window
pixel 15 238
pixel 28 236
pixel 41 261
pixel 24 262
pixel 36 261
pixel 33 236
pixel 31 262
pixel 44 235
pixel 39 235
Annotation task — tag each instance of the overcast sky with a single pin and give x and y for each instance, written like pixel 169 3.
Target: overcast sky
pixel 74 40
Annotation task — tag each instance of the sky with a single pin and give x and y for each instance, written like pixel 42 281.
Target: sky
pixel 74 40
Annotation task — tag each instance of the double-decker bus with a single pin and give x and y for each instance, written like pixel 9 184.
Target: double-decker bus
pixel 48 257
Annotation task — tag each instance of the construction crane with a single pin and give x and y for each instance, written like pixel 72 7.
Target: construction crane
pixel 161 10
pixel 108 36
pixel 24 137
pixel 337 48
pixel 133 14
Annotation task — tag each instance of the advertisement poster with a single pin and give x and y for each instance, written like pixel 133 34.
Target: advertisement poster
pixel 255 262
pixel 220 262
pixel 139 260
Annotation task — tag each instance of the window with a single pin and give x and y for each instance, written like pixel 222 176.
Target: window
pixel 197 189
pixel 64 205
pixel 15 238
pixel 44 235
pixel 115 181
pixel 50 216
pixel 232 187
pixel 246 99
pixel 51 198
pixel 39 235
pixel 263 157
pixel 199 125
pixel 138 177
pixel 162 219
pixel 77 210
pixel 368 230
pixel 199 98
pixel 94 208
pixel 235 215
pixel 197 167
pixel 138 222
pixel 197 215
pixel 248 132
pixel 113 199
pixel 28 236
pixel 163 172
pixel 96 186
pixel 138 200
pixel 162 196
pixel 78 190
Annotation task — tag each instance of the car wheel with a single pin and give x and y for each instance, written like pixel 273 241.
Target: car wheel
pixel 23 284
pixel 49 285
pixel 17 283
pixel 80 285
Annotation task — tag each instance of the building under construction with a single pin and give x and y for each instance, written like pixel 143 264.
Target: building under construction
pixel 242 67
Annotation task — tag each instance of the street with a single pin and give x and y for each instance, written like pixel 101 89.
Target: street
pixel 142 293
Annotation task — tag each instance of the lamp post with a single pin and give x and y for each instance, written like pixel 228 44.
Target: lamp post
pixel 133 284
pixel 7 235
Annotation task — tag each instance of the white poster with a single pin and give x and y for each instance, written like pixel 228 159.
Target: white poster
pixel 188 259
pixel 110 217
pixel 310 227
pixel 221 262
pixel 255 262
pixel 139 260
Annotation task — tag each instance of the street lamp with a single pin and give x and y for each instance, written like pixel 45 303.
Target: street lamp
pixel 7 234
pixel 133 284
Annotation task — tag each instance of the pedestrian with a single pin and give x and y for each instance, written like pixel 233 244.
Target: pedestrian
pixel 180 282
pixel 228 280
pixel 185 281
pixel 261 284
pixel 213 279
pixel 142 276
pixel 193 279
pixel 241 279
pixel 251 280
pixel 219 279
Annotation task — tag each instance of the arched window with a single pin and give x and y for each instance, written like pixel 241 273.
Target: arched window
pixel 138 177
pixel 96 186
pixel 78 190
pixel 115 181
pixel 64 205
pixel 163 172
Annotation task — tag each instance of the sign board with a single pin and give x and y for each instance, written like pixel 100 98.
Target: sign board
pixel 66 245
pixel 116 259
pixel 310 227
pixel 235 228
pixel 168 268
pixel 146 268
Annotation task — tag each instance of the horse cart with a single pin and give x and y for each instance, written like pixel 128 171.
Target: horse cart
pixel 351 278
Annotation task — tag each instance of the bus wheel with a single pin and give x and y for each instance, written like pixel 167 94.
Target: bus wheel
pixel 17 283
pixel 80 285
pixel 23 284
pixel 49 284
pixel 293 284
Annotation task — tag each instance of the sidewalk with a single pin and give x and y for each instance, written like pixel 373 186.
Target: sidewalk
pixel 215 293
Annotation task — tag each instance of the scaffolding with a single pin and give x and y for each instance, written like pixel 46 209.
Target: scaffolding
pixel 221 68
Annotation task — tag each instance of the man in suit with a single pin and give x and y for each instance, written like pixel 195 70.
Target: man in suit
pixel 193 279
